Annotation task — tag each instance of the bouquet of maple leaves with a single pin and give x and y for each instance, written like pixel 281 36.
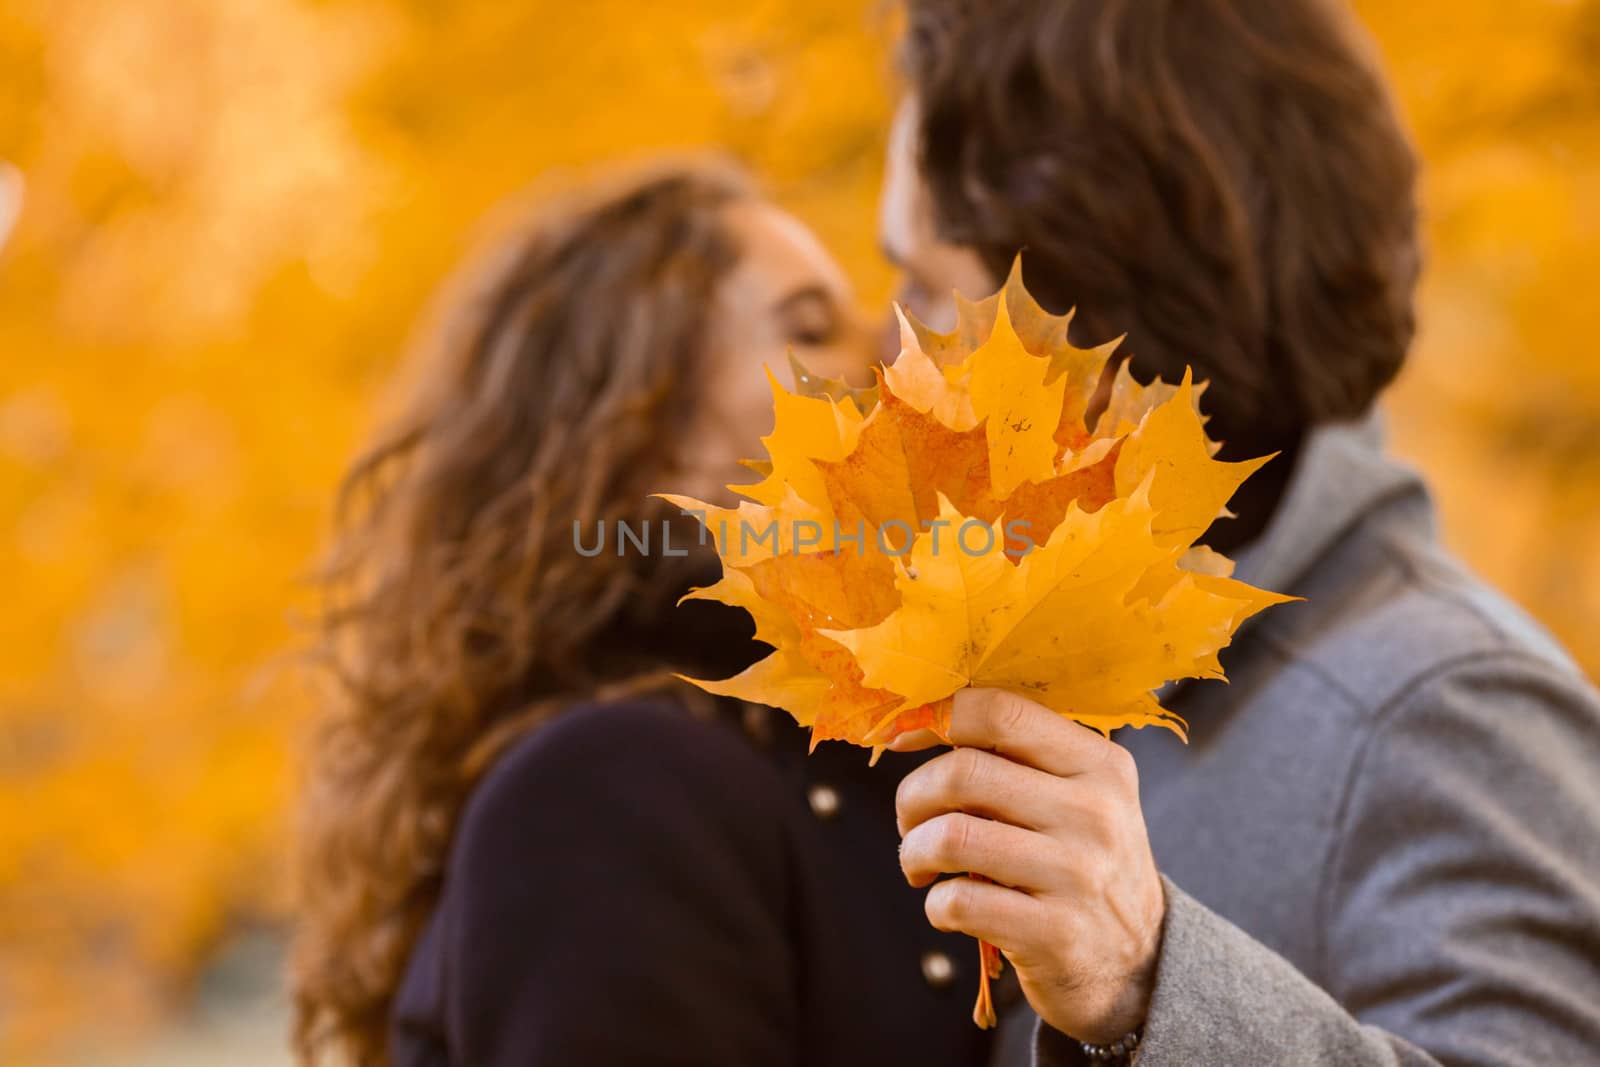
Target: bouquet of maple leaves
pixel 971 520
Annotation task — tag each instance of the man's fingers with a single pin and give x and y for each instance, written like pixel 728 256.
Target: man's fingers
pixel 1028 732
pixel 1003 917
pixel 957 843
pixel 978 783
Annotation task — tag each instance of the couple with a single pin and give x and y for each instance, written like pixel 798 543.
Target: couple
pixel 523 847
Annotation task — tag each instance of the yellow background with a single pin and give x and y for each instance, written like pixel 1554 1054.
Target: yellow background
pixel 236 208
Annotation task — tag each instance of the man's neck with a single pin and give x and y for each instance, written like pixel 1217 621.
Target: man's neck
pixel 1257 500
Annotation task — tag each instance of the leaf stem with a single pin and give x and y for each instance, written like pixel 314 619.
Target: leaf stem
pixel 990 964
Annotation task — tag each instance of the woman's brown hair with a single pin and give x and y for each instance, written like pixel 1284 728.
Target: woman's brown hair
pixel 458 613
pixel 1226 181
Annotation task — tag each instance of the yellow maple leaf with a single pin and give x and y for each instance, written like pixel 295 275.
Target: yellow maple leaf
pixel 806 429
pixel 1188 487
pixel 1087 625
pixel 1020 404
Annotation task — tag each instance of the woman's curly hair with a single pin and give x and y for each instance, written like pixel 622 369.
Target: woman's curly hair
pixel 457 614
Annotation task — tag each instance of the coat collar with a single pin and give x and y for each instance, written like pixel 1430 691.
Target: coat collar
pixel 1342 476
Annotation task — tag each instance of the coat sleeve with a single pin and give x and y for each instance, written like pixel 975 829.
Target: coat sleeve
pixel 617 895
pixel 1460 911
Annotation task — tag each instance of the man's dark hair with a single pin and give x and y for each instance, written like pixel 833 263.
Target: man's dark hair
pixel 1226 181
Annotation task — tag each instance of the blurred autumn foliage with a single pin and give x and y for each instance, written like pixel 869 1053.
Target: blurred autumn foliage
pixel 235 210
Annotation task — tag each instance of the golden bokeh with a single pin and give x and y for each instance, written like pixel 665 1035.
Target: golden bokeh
pixel 235 211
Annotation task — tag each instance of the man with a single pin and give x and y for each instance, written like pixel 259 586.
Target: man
pixel 1381 844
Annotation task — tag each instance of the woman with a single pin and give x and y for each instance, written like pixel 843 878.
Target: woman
pixel 523 844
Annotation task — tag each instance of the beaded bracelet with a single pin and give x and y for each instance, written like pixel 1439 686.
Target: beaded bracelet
pixel 1118 1052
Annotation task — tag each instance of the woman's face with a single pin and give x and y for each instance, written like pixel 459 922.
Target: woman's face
pixel 785 294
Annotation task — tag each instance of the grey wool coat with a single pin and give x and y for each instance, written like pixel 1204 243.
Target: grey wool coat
pixel 1381 844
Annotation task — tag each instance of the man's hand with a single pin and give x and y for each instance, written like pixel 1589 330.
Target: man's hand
pixel 1048 811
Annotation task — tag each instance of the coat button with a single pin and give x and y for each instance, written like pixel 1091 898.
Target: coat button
pixel 937 969
pixel 824 801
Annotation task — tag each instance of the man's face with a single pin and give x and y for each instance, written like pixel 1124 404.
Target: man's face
pixel 931 269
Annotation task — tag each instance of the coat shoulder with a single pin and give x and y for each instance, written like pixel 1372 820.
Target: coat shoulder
pixel 1391 611
pixel 651 762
